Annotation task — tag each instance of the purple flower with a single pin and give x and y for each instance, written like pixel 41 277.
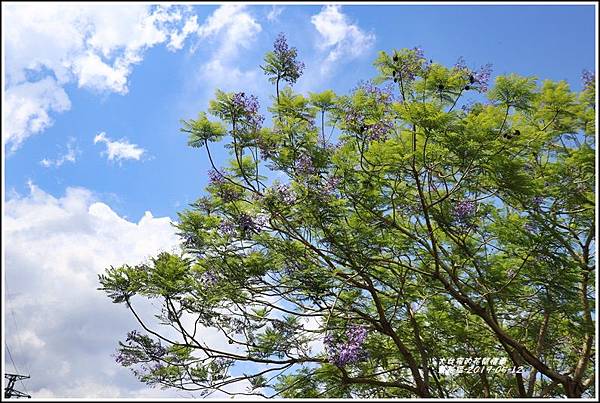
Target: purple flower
pixel 478 79
pixel 137 346
pixel 409 65
pixel 530 226
pixel 246 223
pixel 284 193
pixel 331 184
pixel 280 45
pixel 157 366
pixel 227 228
pixel 288 68
pixel 537 201
pixel 482 77
pixel 461 64
pixel 349 351
pixel 418 52
pixel 209 278
pixel 261 220
pixel 304 165
pixel 379 131
pixel 588 78
pixel 463 212
pixel 328 340
pixel 383 95
pixel 354 118
pixel 227 192
pixel 356 334
pixel 246 107
pixel 215 178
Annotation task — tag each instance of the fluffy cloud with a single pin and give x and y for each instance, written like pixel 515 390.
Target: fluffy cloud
pixel 177 38
pixel 338 36
pixel 27 107
pixel 234 29
pixel 65 330
pixel 274 14
pixel 119 149
pixel 50 45
pixel 69 156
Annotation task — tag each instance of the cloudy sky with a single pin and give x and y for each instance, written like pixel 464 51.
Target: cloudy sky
pixel 95 167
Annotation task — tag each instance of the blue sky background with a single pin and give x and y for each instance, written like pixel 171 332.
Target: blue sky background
pixel 65 223
pixel 552 42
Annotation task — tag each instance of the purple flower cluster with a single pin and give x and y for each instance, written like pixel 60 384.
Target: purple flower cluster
pixel 537 201
pixel 588 79
pixel 209 278
pixel 350 351
pixel 379 131
pixel 419 53
pixel 304 165
pixel 530 226
pixel 463 212
pixel 226 192
pixel 410 65
pixel 215 178
pixel 478 79
pixel 284 193
pixel 246 107
pixel 383 95
pixel 355 120
pixel 331 184
pixel 245 223
pixel 291 69
pixel 227 228
pixel 260 221
pixel 267 148
pixel 280 45
pixel 482 77
pixel 461 65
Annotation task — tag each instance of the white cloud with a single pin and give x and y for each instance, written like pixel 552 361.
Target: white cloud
pixel 274 14
pixel 119 149
pixel 177 38
pixel 69 156
pixel 92 72
pixel 27 105
pixel 29 339
pixel 66 330
pixel 92 45
pixel 231 18
pixel 234 29
pixel 339 36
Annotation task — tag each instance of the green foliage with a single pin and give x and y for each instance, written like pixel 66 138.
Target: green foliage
pixel 430 223
pixel 202 130
pixel 514 91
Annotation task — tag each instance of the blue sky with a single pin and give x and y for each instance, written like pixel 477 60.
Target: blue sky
pixel 554 42
pixel 132 72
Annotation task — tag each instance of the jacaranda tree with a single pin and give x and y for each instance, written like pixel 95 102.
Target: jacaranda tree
pixel 353 241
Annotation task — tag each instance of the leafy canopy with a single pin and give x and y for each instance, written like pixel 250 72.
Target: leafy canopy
pixel 358 238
